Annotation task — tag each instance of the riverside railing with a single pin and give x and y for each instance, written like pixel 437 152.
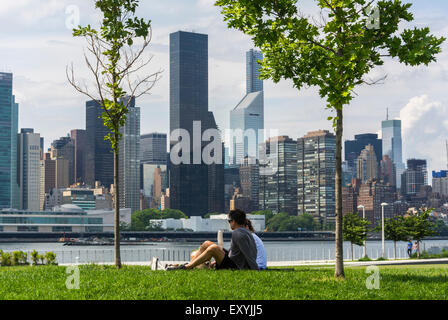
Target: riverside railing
pixel 274 254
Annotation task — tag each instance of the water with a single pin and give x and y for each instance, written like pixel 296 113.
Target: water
pixel 175 251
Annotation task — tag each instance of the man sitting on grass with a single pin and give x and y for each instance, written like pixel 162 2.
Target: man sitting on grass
pixel 243 250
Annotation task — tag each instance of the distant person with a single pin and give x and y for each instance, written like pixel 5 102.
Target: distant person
pixel 415 247
pixel 262 260
pixel 243 249
pixel 410 248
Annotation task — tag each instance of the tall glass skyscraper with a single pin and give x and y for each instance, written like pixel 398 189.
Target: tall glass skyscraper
pixel 99 165
pixel 9 190
pixel 392 145
pixel 253 81
pixel 129 159
pixel 189 183
pixel 247 118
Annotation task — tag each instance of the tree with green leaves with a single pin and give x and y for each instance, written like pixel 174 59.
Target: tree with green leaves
pixel 115 59
pixel 419 226
pixel 334 52
pixel 395 230
pixel 354 229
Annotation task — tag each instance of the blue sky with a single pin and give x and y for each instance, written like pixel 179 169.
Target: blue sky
pixel 37 46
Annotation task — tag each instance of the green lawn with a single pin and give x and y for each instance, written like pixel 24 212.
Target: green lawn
pixel 105 282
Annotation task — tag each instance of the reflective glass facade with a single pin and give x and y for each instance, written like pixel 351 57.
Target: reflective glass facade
pixel 392 145
pixel 8 140
pixel 188 103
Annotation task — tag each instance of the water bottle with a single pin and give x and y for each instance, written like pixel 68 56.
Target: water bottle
pixel 220 238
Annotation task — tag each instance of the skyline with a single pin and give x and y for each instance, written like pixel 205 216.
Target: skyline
pixel 38 47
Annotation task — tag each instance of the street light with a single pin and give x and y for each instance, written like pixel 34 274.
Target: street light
pixel 364 254
pixel 382 227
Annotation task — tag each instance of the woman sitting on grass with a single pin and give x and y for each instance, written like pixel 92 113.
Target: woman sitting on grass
pixel 243 249
pixel 261 251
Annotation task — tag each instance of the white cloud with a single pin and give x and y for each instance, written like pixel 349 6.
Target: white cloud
pixel 424 130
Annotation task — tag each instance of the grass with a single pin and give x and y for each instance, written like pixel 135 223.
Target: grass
pixel 136 282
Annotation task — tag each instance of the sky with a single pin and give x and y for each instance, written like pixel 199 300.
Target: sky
pixel 37 46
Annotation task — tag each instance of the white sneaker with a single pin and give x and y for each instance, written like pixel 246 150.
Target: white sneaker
pixel 155 263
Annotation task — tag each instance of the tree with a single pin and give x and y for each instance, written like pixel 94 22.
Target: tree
pixel 141 220
pixel 354 229
pixel 419 226
pixel 115 62
pixel 335 54
pixel 395 230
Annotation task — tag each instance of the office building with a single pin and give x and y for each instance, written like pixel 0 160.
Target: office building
pixel 29 170
pixel 153 148
pixel 9 188
pixel 367 164
pixel 79 138
pixel 99 157
pixel 64 149
pixel 249 181
pixel 129 158
pixel 440 183
pixel 353 148
pixel 316 176
pixel 247 118
pixel 413 179
pixel 387 171
pixel 392 145
pixel 189 181
pixel 278 188
pixel 370 195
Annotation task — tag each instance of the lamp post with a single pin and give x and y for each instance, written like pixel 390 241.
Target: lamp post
pixel 382 227
pixel 364 253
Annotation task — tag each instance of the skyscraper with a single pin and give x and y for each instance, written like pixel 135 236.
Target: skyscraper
pixel 388 171
pixel 316 176
pixel 189 182
pixel 79 138
pixel 392 145
pixel 253 81
pixel 153 148
pixel 367 165
pixel 29 170
pixel 64 149
pixel 353 148
pixel 129 159
pixel 99 158
pixel 9 190
pixel 247 118
pixel 413 178
pixel 278 190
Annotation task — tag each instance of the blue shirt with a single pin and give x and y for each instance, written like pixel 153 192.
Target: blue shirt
pixel 261 253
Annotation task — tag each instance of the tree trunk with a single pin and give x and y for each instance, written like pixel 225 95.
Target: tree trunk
pixel 339 268
pixel 117 210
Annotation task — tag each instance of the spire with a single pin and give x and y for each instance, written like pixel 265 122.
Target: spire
pixel 387 113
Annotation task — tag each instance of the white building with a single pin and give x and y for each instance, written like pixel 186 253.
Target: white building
pixel 214 224
pixel 29 169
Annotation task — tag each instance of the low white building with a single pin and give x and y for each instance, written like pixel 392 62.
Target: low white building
pixel 215 223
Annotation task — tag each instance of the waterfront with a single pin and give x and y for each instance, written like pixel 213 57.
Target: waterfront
pixel 178 251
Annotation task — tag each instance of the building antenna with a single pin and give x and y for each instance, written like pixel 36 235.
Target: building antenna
pixel 387 113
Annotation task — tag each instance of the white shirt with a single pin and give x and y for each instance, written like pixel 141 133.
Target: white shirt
pixel 261 253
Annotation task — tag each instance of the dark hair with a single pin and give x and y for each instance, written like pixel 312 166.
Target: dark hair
pixel 249 225
pixel 239 216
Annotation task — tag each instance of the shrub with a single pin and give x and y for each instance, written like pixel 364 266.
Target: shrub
pixel 381 259
pixel 35 257
pixel 366 258
pixel 41 257
pixel 5 259
pixel 16 258
pixel 50 258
